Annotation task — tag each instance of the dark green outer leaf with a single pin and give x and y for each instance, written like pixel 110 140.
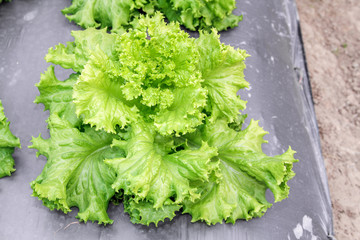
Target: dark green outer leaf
pixel 237 189
pixel 75 174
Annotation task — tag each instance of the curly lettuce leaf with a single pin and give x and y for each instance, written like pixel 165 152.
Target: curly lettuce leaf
pixel 143 212
pixel 75 174
pixel 6 161
pixel 245 172
pixel 184 113
pixel 7 139
pixel 152 170
pixel 222 68
pixel 56 95
pixel 98 97
pixel 76 54
pixel 8 142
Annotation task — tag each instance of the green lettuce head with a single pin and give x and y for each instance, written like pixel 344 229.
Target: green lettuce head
pixel 151 117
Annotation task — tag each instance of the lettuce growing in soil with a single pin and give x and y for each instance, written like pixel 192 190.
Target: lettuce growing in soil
pixel 151 118
pixel 8 142
pixel 120 15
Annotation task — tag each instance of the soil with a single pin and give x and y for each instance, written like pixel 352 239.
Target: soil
pixel 331 33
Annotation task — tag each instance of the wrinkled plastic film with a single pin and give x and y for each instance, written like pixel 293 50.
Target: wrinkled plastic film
pixel 279 96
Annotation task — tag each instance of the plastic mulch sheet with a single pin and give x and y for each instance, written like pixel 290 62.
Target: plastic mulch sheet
pixel 279 97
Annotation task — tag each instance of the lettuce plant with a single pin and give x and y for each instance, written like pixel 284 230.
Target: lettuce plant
pixel 120 15
pixel 8 142
pixel 151 118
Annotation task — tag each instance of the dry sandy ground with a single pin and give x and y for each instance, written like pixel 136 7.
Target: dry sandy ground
pixel 331 32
